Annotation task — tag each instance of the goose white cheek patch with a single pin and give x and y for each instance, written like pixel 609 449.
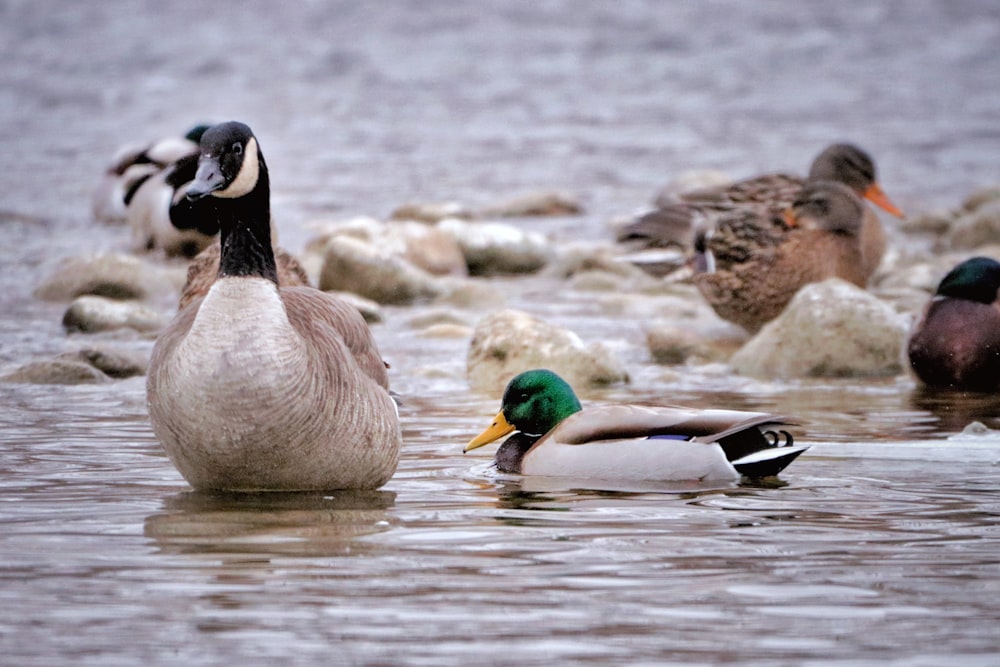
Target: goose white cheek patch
pixel 246 180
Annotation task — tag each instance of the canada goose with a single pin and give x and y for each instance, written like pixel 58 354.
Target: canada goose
pixel 131 165
pixel 557 437
pixel 260 387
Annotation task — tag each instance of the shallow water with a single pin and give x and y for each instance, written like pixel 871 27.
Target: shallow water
pixel 880 544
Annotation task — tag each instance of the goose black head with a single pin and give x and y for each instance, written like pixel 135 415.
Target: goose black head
pixel 229 164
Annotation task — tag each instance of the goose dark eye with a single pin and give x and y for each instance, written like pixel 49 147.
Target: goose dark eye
pixel 237 149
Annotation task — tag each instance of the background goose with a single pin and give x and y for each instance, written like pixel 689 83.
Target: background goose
pixel 678 219
pixel 133 164
pixel 753 263
pixel 956 341
pixel 261 387
pixel 557 437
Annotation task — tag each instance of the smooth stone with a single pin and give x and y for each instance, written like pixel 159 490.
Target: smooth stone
pixel 829 329
pixel 112 275
pixel 464 293
pixel 432 212
pixel 981 197
pixel 977 228
pixel 508 342
pixel 370 310
pixel 582 258
pixel 434 317
pixel 492 248
pixel 56 371
pixel 536 204
pixel 423 246
pixel 91 314
pixel 117 364
pixel 445 330
pixel 674 346
pixel 352 265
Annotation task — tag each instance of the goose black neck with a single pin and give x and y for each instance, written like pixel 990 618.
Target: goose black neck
pixel 245 232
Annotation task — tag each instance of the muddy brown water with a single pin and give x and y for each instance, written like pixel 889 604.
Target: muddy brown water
pixel 879 546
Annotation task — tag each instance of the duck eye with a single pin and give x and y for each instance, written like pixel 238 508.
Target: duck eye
pixel 237 148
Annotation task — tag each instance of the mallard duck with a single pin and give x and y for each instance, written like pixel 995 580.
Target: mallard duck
pixel 755 263
pixel 956 342
pixel 261 387
pixel 677 220
pixel 556 437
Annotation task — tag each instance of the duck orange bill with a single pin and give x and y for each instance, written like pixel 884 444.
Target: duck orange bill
pixel 875 195
pixel 788 215
pixel 498 429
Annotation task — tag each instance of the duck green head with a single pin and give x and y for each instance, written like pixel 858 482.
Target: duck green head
pixel 534 403
pixel 976 279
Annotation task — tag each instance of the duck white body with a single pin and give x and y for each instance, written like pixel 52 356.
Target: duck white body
pixel 580 447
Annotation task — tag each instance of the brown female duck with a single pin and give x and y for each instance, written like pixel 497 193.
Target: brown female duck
pixel 755 263
pixel 678 220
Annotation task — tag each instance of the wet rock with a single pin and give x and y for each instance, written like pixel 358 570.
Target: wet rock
pixel 544 203
pixel 432 212
pixel 934 223
pixel 508 342
pixel 117 364
pixel 692 179
pixel 112 275
pixel 423 246
pixel 978 227
pixel 56 371
pixel 674 346
pixel 829 329
pixel 585 257
pixel 352 265
pixel 91 314
pixel 981 197
pixel 492 248
pixel 445 330
pixel 435 317
pixel 370 310
pixel 470 294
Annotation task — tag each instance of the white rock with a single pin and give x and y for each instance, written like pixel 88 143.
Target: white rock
pixel 90 314
pixel 508 342
pixel 110 274
pixel 829 329
pixel 492 248
pixel 352 265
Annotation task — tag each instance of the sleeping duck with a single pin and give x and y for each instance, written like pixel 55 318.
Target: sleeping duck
pixel 753 263
pixel 255 386
pixel 956 342
pixel 555 436
pixel 677 219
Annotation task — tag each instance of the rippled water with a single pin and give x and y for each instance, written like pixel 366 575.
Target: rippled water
pixel 880 546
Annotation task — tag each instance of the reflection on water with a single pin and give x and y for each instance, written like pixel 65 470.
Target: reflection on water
pixel 292 524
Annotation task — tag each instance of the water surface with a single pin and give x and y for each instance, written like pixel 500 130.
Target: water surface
pixel 878 546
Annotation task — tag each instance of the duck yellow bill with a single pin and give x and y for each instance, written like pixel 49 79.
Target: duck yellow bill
pixel 498 429
pixel 875 195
